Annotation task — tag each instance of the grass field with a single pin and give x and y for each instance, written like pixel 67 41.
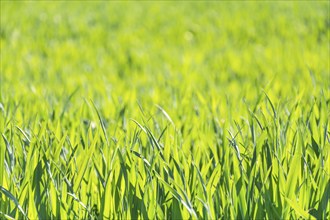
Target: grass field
pixel 165 110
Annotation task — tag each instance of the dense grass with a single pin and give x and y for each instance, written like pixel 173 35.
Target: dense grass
pixel 164 110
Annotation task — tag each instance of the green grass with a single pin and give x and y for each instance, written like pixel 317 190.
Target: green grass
pixel 164 110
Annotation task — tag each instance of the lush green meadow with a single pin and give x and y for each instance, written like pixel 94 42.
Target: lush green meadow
pixel 164 110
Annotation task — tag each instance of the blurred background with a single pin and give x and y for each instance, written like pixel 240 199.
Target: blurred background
pixel 163 52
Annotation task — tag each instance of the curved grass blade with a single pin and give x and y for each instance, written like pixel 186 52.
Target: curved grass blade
pixel 12 197
pixel 102 123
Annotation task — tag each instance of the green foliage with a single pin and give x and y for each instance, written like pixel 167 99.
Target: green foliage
pixel 215 110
